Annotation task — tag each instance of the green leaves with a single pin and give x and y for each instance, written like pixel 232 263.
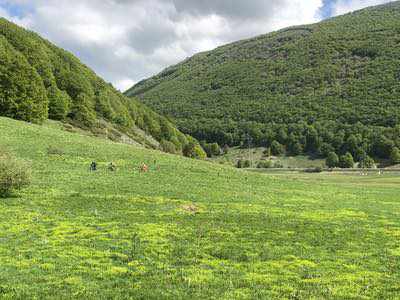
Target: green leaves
pixel 341 75
pixel 40 81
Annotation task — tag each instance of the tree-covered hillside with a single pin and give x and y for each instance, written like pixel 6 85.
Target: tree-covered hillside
pixel 40 81
pixel 328 87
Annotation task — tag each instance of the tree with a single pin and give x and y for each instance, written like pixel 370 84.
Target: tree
pixel 211 149
pixel 395 156
pixel 59 103
pixel 22 92
pixel 367 162
pixel 194 150
pixel 332 161
pixel 168 147
pixel 226 149
pixel 277 149
pixel 346 161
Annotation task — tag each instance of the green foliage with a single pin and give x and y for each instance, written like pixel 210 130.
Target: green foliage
pixel 212 149
pixel 40 81
pixel 332 161
pixel 264 164
pixel 59 103
pixel 168 147
pixel 189 229
pixel 367 162
pixel 327 87
pixel 314 170
pixel 346 161
pixel 14 175
pixel 277 148
pixel 267 152
pixel 243 164
pixel 22 93
pixel 194 150
pixel 395 156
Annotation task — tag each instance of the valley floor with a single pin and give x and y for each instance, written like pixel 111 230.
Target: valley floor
pixel 189 229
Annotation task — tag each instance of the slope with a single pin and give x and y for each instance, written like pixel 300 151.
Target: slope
pixel 331 86
pixel 40 81
pixel 188 229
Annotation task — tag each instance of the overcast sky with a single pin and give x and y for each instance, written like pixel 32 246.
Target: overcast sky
pixel 125 41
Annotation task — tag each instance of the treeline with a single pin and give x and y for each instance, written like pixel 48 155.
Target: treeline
pixel 318 139
pixel 40 81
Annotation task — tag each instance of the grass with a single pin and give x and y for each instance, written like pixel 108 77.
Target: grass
pixel 189 229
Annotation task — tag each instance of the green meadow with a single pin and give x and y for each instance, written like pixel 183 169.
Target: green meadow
pixel 189 229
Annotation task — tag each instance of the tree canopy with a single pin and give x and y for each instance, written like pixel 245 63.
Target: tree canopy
pixel 40 81
pixel 328 87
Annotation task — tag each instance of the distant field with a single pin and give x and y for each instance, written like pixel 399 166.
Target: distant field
pixel 190 229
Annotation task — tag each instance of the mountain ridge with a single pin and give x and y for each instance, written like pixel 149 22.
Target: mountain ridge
pixel 330 77
pixel 39 81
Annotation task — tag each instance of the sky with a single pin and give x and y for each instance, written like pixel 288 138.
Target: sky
pixel 125 41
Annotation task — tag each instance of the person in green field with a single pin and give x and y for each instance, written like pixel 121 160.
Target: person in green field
pixel 93 166
pixel 112 167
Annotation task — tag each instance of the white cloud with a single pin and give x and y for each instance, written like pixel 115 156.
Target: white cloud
pixel 125 41
pixel 344 6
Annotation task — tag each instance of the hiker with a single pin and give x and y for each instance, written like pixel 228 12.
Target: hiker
pixel 93 166
pixel 144 168
pixel 112 167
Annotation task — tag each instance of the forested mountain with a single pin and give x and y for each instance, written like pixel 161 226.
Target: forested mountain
pixel 327 87
pixel 40 81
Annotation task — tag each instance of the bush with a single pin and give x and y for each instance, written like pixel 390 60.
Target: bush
pixel 395 156
pixel 53 150
pixel 168 147
pixel 367 162
pixel 14 175
pixel 332 161
pixel 243 163
pixel 267 152
pixel 314 170
pixel 277 148
pixel 212 149
pixel 266 164
pixel 278 165
pixel 346 161
pixel 194 150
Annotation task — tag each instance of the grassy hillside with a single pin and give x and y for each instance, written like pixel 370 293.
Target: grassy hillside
pixel 40 81
pixel 189 229
pixel 328 87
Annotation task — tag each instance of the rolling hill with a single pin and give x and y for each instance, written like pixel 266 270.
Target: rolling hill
pixel 188 229
pixel 327 87
pixel 39 81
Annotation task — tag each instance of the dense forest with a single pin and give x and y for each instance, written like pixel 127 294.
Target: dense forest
pixel 331 87
pixel 40 81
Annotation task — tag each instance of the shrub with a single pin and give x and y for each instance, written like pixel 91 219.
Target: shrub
pixel 226 149
pixel 367 162
pixel 395 156
pixel 243 163
pixel 314 170
pixel 168 147
pixel 53 150
pixel 346 161
pixel 277 148
pixel 212 149
pixel 267 152
pixel 14 175
pixel 278 165
pixel 265 164
pixel 194 150
pixel 332 161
